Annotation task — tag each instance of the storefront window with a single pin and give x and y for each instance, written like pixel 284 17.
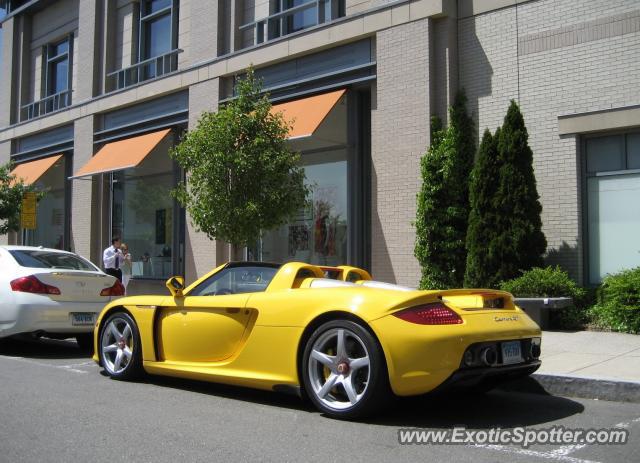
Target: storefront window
pixel 319 233
pixel 50 213
pixel 142 214
pixel 613 212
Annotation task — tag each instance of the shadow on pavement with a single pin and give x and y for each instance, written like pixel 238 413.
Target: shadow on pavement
pixel 445 410
pixel 243 394
pixel 42 348
pixel 497 408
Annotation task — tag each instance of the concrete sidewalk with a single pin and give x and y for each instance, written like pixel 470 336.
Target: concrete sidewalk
pixel 591 354
pixel 587 364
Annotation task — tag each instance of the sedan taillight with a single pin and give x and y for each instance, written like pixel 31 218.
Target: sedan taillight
pixel 30 284
pixel 116 290
pixel 430 314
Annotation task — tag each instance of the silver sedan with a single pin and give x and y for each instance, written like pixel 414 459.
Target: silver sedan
pixel 50 292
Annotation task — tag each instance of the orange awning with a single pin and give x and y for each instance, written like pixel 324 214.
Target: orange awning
pixel 122 154
pixel 30 172
pixel 307 114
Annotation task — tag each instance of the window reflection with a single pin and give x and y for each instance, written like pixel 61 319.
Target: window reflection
pixel 50 216
pixel 142 214
pixel 319 233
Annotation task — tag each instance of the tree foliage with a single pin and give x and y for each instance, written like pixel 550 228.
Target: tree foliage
pixel 443 200
pixel 618 305
pixel 482 263
pixel 242 177
pixel 517 240
pixel 11 192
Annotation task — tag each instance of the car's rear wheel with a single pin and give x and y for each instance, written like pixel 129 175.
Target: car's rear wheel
pixel 344 371
pixel 120 348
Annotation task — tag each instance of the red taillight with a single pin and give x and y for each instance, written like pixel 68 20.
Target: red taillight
pixel 430 314
pixel 31 284
pixel 116 290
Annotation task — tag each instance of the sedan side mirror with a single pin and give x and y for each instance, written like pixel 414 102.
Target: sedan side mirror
pixel 175 286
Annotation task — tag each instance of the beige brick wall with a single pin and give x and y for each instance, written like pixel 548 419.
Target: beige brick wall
pixel 400 135
pixel 204 14
pixel 200 251
pixel 185 19
pixel 83 238
pixel 596 67
pixel 85 80
pixel 6 100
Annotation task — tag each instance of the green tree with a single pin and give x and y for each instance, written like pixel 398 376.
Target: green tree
pixel 519 243
pixel 443 200
pixel 482 265
pixel 242 177
pixel 11 192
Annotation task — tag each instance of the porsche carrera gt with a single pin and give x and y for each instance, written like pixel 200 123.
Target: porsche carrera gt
pixel 331 334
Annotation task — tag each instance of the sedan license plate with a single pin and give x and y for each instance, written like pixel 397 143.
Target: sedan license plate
pixel 511 352
pixel 82 318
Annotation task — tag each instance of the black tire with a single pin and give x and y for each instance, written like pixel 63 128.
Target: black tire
pixel 336 402
pixel 85 342
pixel 129 367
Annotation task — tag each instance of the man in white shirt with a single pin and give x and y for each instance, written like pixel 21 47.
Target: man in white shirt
pixel 112 259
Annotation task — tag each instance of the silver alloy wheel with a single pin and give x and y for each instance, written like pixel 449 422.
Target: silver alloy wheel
pixel 117 345
pixel 339 369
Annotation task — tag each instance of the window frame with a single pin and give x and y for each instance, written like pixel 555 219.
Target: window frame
pixel 584 201
pixel 325 11
pixel 145 19
pixel 51 60
pixel 625 154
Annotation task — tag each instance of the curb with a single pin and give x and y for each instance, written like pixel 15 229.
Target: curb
pixel 610 389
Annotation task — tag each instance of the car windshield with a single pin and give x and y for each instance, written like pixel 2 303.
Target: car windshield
pixel 50 259
pixel 235 280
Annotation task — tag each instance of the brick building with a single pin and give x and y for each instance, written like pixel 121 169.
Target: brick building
pixel 95 92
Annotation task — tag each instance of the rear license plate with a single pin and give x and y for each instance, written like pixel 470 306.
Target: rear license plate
pixel 82 318
pixel 511 352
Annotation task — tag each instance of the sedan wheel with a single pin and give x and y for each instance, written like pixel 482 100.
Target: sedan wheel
pixel 344 370
pixel 120 352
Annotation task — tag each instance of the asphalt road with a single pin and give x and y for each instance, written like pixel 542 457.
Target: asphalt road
pixel 56 405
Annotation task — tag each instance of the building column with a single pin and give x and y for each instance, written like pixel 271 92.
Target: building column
pixel 8 89
pixel 84 210
pixel 400 114
pixel 16 54
pixel 204 42
pixel 201 253
pixel 88 42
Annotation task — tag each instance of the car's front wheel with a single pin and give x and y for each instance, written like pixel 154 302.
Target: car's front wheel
pixel 344 370
pixel 120 348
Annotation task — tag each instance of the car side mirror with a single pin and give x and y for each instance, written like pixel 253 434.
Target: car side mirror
pixel 175 286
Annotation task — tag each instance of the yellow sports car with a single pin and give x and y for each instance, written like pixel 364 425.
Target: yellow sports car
pixel 329 333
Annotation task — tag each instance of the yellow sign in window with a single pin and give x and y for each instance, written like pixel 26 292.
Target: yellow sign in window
pixel 28 211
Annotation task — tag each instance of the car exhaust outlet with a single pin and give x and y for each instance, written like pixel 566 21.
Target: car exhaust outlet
pixel 468 358
pixel 489 356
